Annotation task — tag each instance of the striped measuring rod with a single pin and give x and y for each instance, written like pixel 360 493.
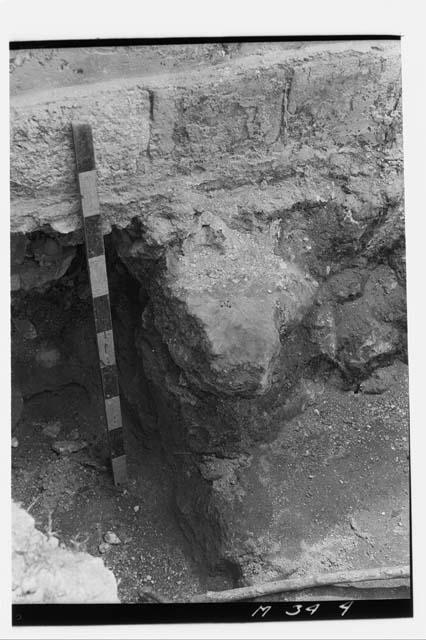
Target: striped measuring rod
pixel 95 252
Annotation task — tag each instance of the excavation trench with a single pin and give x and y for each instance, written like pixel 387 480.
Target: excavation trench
pixel 254 219
pixel 57 396
pixel 218 465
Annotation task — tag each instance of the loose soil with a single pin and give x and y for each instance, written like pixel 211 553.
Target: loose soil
pixel 74 497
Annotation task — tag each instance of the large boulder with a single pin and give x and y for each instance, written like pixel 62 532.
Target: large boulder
pixel 222 305
pixel 44 572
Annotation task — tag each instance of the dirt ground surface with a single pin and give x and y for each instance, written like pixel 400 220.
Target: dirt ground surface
pixel 73 496
pixel 341 493
pixel 338 480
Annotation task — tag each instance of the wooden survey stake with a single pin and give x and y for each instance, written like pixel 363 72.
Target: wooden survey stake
pixel 95 251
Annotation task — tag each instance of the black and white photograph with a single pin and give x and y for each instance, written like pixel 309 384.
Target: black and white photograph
pixel 209 362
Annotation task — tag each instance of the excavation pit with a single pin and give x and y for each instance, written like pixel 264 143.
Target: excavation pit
pixel 252 212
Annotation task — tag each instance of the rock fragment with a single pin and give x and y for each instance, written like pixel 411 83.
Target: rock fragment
pixel 25 328
pixel 52 429
pixel 382 379
pixel 104 547
pixel 111 538
pixel 65 447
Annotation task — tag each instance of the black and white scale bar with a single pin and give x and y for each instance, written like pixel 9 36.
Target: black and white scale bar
pixel 95 251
